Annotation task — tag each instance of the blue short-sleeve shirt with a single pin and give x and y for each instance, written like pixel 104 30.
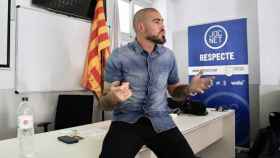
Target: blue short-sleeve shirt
pixel 148 75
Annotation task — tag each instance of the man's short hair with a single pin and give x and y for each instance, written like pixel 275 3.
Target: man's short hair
pixel 140 15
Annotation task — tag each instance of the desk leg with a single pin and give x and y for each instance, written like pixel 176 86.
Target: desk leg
pixel 224 148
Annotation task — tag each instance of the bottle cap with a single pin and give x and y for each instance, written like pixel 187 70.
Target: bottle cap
pixel 24 98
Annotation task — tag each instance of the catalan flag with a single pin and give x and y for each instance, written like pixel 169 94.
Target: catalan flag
pixel 98 52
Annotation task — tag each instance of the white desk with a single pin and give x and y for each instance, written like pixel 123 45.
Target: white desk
pixel 210 136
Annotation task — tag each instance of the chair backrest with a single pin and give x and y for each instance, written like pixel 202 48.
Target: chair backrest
pixel 73 110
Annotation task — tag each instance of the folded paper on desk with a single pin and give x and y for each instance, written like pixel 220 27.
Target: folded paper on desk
pixel 86 132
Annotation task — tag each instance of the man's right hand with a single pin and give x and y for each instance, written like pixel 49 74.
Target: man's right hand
pixel 120 92
pixel 115 93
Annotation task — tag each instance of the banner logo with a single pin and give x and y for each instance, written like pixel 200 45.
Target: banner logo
pixel 215 37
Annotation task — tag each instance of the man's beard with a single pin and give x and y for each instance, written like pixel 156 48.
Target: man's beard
pixel 156 39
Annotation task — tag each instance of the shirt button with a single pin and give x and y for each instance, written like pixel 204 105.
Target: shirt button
pixel 146 115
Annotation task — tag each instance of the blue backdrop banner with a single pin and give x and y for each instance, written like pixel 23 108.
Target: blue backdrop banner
pixel 220 49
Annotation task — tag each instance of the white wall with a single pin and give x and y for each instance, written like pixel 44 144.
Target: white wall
pixel 268 12
pixel 269 33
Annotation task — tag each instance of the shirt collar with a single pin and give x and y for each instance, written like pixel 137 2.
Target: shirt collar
pixel 138 49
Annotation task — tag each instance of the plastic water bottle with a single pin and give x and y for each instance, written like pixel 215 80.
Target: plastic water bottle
pixel 25 130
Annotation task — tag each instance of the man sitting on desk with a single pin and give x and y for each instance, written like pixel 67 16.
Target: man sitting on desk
pixel 138 75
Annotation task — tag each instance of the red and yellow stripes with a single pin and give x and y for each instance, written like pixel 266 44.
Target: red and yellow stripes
pixel 98 52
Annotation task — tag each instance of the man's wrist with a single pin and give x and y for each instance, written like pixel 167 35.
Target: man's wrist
pixel 108 101
pixel 114 99
pixel 192 91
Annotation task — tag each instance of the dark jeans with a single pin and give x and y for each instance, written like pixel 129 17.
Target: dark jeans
pixel 124 140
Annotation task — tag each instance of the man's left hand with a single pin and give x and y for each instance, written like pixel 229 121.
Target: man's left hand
pixel 199 84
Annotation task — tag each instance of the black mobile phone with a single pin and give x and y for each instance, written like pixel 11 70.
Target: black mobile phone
pixel 68 139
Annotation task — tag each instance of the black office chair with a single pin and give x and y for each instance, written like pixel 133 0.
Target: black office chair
pixel 72 110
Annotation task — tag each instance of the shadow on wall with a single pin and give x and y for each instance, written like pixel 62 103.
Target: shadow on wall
pixel 8 107
pixel 269 102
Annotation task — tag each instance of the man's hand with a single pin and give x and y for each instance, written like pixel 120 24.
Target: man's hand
pixel 114 94
pixel 199 85
pixel 119 92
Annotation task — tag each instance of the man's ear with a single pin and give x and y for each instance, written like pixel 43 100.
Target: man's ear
pixel 141 27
